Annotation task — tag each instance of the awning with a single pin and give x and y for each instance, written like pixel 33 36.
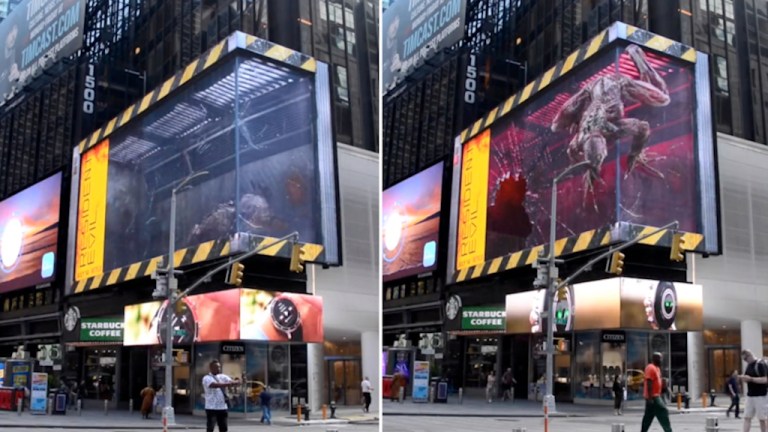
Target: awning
pixel 476 332
pixel 94 344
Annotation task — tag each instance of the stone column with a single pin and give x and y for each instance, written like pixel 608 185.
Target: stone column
pixel 697 364
pixel 316 376
pixel 371 350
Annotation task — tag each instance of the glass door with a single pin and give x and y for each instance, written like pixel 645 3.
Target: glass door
pixel 722 362
pixel 344 378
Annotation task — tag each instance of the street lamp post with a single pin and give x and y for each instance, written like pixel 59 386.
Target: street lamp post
pixel 172 285
pixel 549 398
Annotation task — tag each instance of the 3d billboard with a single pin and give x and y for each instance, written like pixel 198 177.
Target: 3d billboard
pixel 236 314
pixel 625 303
pixel 245 167
pixel 410 217
pixel 29 231
pixel 411 27
pixel 35 35
pixel 634 117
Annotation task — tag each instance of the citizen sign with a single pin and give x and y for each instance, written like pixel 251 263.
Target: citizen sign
pixel 490 317
pixel 233 349
pixel 613 337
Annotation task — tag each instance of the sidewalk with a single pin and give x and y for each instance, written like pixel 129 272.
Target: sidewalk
pixel 117 420
pixel 476 407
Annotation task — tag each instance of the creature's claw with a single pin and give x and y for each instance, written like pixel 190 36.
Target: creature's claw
pixel 643 160
pixel 590 188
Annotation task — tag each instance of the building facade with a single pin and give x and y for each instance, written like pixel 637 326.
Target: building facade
pixel 512 49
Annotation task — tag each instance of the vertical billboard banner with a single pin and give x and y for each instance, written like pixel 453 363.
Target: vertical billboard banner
pixel 420 386
pixel 628 113
pixel 411 224
pixel 35 35
pixel 473 201
pixel 91 212
pixel 29 230
pixel 39 392
pixel 413 28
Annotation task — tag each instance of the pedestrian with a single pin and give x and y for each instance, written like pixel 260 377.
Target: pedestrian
pixel 654 406
pixel 214 384
pixel 507 384
pixel 490 385
pixel 732 385
pixel 147 401
pixel 394 390
pixel 757 387
pixel 82 392
pixel 266 409
pixel 618 395
pixel 366 387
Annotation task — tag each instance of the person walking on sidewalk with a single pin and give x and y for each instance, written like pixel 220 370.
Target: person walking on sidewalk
pixel 366 387
pixel 507 384
pixel 757 387
pixel 618 395
pixel 215 399
pixel 733 389
pixel 266 409
pixel 654 406
pixel 490 385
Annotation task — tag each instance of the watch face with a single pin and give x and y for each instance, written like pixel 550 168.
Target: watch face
pixel 184 325
pixel 665 305
pixel 284 314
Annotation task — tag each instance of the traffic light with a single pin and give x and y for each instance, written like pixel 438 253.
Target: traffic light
pixel 179 307
pixel 298 256
pixel 235 276
pixel 616 265
pixel 562 294
pixel 678 247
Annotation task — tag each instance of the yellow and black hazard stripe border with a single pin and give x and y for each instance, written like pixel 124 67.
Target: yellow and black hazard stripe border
pixel 593 239
pixel 618 31
pixel 192 255
pixel 237 40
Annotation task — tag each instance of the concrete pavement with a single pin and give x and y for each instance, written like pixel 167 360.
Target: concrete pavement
pixel 124 420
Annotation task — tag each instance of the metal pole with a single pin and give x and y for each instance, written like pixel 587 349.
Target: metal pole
pixel 144 79
pixel 525 73
pixel 549 399
pixel 169 315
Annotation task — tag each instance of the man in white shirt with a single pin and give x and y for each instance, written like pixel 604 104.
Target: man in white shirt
pixel 366 388
pixel 215 399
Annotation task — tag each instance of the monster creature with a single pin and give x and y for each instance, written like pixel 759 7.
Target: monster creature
pixel 595 115
pixel 255 213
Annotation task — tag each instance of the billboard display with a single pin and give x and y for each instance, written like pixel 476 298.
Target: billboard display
pixel 29 231
pixel 411 28
pixel 228 315
pixel 628 115
pixel 625 303
pixel 35 35
pixel 242 173
pixel 410 218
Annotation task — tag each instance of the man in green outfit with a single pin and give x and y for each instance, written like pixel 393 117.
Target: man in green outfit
pixel 654 406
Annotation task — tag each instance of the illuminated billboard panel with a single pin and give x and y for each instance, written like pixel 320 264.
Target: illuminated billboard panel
pixel 410 215
pixel 624 121
pixel 29 231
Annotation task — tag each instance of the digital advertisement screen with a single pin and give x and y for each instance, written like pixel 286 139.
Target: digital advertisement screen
pixel 228 315
pixel 628 113
pixel 410 218
pixel 614 303
pixel 280 317
pixel 29 231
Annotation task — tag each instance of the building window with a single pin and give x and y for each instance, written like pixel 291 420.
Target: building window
pixel 342 87
pixel 721 74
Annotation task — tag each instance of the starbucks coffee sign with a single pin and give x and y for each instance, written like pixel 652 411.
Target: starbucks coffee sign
pixel 101 330
pixel 483 318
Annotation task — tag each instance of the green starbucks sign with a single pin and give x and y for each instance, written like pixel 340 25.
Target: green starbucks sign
pixel 101 330
pixel 483 318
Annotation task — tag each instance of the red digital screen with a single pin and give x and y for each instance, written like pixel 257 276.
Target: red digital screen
pixel 29 231
pixel 629 113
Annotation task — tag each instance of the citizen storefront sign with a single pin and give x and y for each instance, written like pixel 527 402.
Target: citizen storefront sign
pixel 101 330
pixel 483 318
pixel 614 337
pixel 232 348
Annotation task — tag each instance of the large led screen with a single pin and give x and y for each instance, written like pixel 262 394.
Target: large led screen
pixel 228 315
pixel 411 224
pixel 241 161
pixel 280 317
pixel 29 231
pixel 626 303
pixel 628 113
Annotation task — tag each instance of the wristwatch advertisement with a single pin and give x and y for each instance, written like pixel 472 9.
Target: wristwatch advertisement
pixel 661 305
pixel 185 325
pixel 285 317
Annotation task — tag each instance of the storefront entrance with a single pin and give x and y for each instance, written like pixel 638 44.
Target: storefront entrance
pixel 344 376
pixel 722 362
